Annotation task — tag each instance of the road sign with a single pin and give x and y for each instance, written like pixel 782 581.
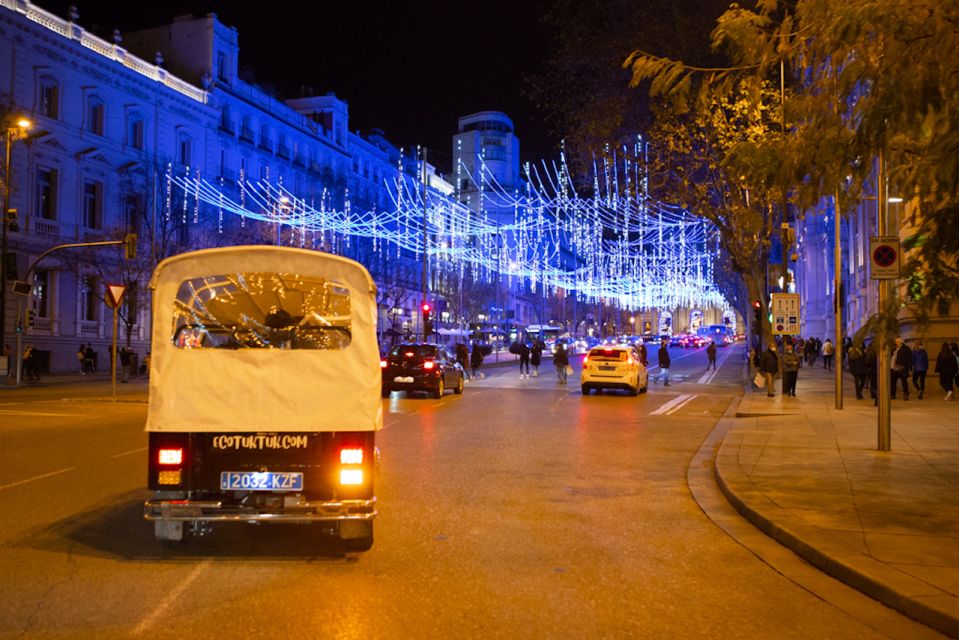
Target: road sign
pixel 884 257
pixel 785 310
pixel 115 295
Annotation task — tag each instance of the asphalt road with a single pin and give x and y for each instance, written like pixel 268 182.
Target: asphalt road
pixel 519 509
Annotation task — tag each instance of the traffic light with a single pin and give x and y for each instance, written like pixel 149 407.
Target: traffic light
pixel 757 314
pixel 130 246
pixel 10 219
pixel 427 322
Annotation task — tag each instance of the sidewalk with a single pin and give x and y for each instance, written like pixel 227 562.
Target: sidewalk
pixel 810 476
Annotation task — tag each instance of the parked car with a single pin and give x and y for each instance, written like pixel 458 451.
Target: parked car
pixel 421 367
pixel 616 367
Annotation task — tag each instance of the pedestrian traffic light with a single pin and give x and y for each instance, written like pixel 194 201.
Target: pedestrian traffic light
pixel 757 313
pixel 427 322
pixel 130 246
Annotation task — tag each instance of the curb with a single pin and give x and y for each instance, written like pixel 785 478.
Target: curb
pixel 878 580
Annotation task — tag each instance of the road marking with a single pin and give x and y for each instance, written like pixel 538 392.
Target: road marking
pixel 127 453
pixel 680 405
pixel 40 477
pixel 152 617
pixel 678 400
pixel 708 377
pixel 36 413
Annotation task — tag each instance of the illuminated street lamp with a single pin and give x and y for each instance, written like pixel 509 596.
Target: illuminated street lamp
pixel 14 132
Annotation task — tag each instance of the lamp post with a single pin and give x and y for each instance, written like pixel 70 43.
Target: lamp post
pixel 13 132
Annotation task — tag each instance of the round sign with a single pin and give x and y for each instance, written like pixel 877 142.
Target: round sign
pixel 884 255
pixel 779 327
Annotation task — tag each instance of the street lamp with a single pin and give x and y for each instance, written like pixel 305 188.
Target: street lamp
pixel 14 132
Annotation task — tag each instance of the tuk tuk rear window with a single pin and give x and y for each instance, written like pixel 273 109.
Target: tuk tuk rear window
pixel 261 310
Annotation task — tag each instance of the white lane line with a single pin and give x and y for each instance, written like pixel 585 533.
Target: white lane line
pixel 672 403
pixel 161 608
pixel 128 453
pixel 708 376
pixel 680 405
pixel 40 477
pixel 35 413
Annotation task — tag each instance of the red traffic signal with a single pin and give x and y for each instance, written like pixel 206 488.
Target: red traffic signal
pixel 757 304
pixel 426 307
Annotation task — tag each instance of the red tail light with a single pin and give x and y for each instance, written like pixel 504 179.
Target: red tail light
pixel 170 456
pixel 585 359
pixel 351 456
pixel 429 364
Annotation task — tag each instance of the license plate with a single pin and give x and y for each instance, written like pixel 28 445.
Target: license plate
pixel 607 368
pixel 261 481
pixel 404 379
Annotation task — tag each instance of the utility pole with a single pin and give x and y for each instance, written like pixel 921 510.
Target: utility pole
pixel 425 245
pixel 838 295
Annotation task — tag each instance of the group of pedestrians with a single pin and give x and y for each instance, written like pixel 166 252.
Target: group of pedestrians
pixel 471 360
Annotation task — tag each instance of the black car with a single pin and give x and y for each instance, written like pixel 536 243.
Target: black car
pixel 421 367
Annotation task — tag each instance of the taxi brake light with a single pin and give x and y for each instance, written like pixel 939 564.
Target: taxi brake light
pixel 585 359
pixel 351 456
pixel 382 364
pixel 170 456
pixel 429 364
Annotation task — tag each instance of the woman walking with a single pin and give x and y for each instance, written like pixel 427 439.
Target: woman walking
pixel 561 361
pixel 536 357
pixel 791 364
pixel 946 368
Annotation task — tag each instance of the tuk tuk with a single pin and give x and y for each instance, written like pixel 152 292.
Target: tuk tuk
pixel 264 397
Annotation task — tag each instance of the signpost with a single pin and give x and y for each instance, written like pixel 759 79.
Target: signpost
pixel 884 253
pixel 785 310
pixel 114 298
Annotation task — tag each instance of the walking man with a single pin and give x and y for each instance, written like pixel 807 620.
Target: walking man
pixel 857 367
pixel 523 352
pixel 769 366
pixel 828 351
pixel 664 362
pixel 920 365
pixel 711 354
pixel 561 361
pixel 900 363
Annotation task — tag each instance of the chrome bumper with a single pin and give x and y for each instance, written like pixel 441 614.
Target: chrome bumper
pixel 216 511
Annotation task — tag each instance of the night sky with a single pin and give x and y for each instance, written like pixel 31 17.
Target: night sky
pixel 410 69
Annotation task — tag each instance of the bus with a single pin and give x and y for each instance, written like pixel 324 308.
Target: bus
pixel 546 333
pixel 721 334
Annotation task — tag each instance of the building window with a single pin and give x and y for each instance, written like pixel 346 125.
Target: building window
pixel 92 203
pixel 41 294
pixel 184 150
pixel 49 98
pixel 133 212
pixel 222 67
pixel 135 127
pixel 95 115
pixel 89 299
pixel 47 194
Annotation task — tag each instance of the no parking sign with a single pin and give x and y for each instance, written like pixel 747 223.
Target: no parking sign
pixel 884 255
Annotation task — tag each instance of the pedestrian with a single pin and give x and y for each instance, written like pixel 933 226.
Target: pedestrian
pixel 753 358
pixel 810 351
pixel 711 354
pixel 81 357
pixel 90 359
pixel 462 357
pixel 872 370
pixel 643 354
pixel 126 356
pixel 536 356
pixel 31 367
pixel 561 361
pixel 769 366
pixel 522 350
pixel 899 366
pixel 791 365
pixel 947 368
pixel 828 351
pixel 6 358
pixel 955 352
pixel 920 365
pixel 857 367
pixel 476 359
pixel 664 362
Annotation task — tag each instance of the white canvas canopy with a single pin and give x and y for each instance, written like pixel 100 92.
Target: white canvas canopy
pixel 316 388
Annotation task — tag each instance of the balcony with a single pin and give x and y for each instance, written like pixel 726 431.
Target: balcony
pixel 41 326
pixel 46 228
pixel 88 329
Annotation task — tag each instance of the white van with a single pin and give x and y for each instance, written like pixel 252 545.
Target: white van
pixel 264 392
